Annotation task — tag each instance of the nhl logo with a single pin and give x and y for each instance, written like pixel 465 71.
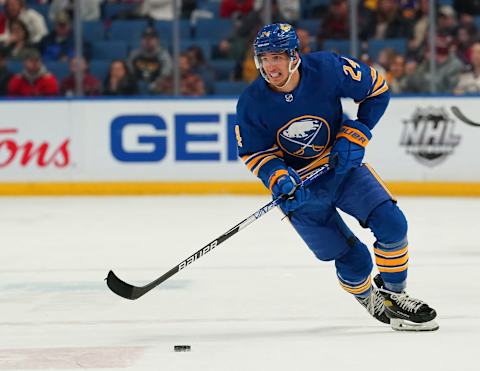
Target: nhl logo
pixel 289 98
pixel 428 136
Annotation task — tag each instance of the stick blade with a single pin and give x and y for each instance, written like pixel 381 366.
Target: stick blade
pixel 121 288
pixel 459 114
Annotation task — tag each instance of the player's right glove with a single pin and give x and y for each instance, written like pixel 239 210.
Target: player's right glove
pixel 349 148
pixel 287 183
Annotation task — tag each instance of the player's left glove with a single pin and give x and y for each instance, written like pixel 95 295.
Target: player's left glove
pixel 287 183
pixel 349 148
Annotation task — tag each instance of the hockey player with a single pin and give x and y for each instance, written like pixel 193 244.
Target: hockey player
pixel 290 122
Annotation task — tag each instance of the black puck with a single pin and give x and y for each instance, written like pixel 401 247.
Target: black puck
pixel 182 348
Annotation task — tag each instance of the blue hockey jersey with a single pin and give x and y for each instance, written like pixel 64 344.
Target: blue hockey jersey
pixel 276 130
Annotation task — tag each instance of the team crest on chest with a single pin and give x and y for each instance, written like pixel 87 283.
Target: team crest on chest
pixel 305 136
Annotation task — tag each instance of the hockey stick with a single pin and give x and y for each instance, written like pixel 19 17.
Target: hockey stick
pixel 131 292
pixel 456 111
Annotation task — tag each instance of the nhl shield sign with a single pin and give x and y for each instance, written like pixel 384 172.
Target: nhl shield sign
pixel 429 135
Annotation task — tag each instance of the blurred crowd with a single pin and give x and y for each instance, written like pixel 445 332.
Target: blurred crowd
pixel 36 37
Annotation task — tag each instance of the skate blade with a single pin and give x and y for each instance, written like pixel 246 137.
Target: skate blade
pixel 403 325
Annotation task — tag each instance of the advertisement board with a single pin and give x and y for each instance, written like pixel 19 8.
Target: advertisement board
pixel 87 145
pixel 35 141
pixel 426 139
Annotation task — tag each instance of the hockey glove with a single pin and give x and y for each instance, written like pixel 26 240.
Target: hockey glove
pixel 287 184
pixel 349 148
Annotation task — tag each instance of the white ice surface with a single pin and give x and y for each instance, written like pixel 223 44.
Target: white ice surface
pixel 260 301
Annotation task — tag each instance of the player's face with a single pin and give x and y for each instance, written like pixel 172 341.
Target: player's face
pixel 275 66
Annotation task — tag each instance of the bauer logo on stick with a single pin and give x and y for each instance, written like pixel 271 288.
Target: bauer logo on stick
pixel 182 348
pixel 197 255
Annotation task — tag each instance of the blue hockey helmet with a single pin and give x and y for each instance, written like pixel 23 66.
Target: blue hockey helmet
pixel 276 37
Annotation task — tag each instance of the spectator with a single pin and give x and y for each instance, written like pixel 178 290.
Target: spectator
pixel 384 60
pixel 409 7
pixel 35 80
pixel 5 73
pixel 150 61
pixel 232 47
pixel 119 80
pixel 387 23
pixel 18 41
pixel 366 58
pixel 238 43
pixel 90 9
pixel 304 40
pixel 470 81
pixel 420 28
pixel 465 35
pixel 249 69
pixel 246 70
pixel 91 86
pixel 234 9
pixel 16 9
pixel 466 20
pixel 398 78
pixel 287 9
pixel 336 24
pixel 202 68
pixel 59 44
pixel 159 10
pixel 447 73
pixel 191 84
pixel 447 21
pixel 371 5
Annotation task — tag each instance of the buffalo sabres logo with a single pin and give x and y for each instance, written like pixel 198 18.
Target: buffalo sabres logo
pixel 305 136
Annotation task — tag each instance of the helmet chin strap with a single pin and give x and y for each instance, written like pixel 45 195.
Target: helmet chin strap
pixel 290 73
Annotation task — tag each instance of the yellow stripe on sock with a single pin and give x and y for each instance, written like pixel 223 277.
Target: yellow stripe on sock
pixel 393 270
pixel 391 262
pixel 362 287
pixel 390 254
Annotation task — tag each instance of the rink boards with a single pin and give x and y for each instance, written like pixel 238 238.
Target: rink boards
pixel 422 145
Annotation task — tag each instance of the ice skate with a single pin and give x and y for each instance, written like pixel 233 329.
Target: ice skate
pixel 374 305
pixel 406 313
